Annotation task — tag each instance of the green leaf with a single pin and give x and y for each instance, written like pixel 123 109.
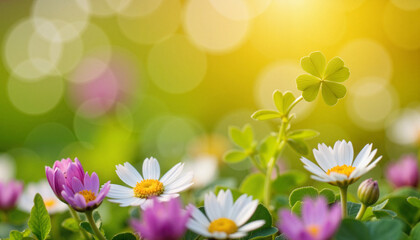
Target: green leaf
pixel 298 145
pixel 328 194
pixel 306 81
pixel 314 64
pixel 39 221
pixel 15 235
pixel 252 185
pixel 189 235
pixel 352 209
pixel 351 229
pixel 265 115
pixel 244 138
pixel 234 156
pixel 267 148
pixel 379 211
pixel 287 181
pixel 297 208
pixel 262 233
pixel 303 134
pixel 332 91
pixel 124 236
pixel 389 229
pixel 288 99
pixel 278 101
pixel 415 201
pixel 415 232
pixel 281 237
pixel 300 193
pixel 336 71
pixel 261 213
pixel 86 226
pixel 71 224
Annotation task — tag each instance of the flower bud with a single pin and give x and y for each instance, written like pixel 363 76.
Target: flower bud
pixel 368 192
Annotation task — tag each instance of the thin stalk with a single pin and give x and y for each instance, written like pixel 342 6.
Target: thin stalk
pixel 343 193
pixel 77 218
pixel 361 212
pixel 92 223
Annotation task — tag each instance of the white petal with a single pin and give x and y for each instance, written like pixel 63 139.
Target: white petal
pixel 321 179
pixel 133 171
pixel 237 235
pixel 348 153
pixel 185 180
pixel 211 207
pixel 172 174
pixel 126 175
pixel 244 215
pixel 219 235
pixel 198 228
pixel 312 167
pixel 118 191
pixel 226 202
pixel 321 160
pixel 362 155
pixel 199 216
pixel 238 205
pixel 251 226
pixel 367 160
pixel 337 176
pixel 151 168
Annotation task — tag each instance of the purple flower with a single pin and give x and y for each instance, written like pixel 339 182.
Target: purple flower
pixel 62 174
pixel 85 195
pixel 162 221
pixel 403 173
pixel 9 194
pixel 317 223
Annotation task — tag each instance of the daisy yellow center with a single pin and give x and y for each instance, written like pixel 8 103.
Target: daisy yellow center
pixel 223 225
pixel 313 230
pixel 148 188
pixel 49 203
pixel 343 169
pixel 88 195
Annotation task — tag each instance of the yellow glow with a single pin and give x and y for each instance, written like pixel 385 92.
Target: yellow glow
pixel 49 203
pixel 148 188
pixel 343 169
pixel 223 225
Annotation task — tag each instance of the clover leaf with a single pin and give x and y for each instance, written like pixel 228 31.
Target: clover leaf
pixel 282 103
pixel 328 77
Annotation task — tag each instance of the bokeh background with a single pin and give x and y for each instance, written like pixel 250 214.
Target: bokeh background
pixel 111 81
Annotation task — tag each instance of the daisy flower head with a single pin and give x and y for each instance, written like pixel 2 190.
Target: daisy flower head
pixel 52 203
pixel 223 218
pixel 143 188
pixel 336 165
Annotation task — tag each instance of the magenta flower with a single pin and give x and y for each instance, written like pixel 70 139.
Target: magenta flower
pixel 85 195
pixel 317 223
pixel 9 194
pixel 62 173
pixel 162 221
pixel 404 173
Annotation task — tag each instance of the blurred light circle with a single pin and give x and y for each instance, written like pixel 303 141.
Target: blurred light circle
pixel 153 27
pixel 35 97
pixel 7 167
pixel 240 9
pixel 86 128
pixel 147 108
pixel 407 5
pixel 211 30
pixel 63 20
pixel 72 52
pixel 96 8
pixel 212 144
pixel 133 8
pixel 371 102
pixel 88 69
pixel 176 66
pixel 239 118
pixel 367 58
pixel 282 76
pixel 402 27
pixel 404 127
pixel 27 54
pixel 296 27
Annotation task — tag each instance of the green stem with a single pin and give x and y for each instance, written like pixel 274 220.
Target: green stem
pixel 93 225
pixel 343 193
pixel 361 212
pixel 297 100
pixel 77 218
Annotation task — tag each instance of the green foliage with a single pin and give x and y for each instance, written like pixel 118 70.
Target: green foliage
pixel 39 221
pixel 251 185
pixel 300 193
pixel 398 203
pixel 244 139
pixel 70 224
pixel 352 209
pixel 328 77
pixel 124 236
pixel 351 229
pixel 282 102
pixel 267 149
pixel 285 182
pixel 415 201
pixel 380 212
pixel 415 232
pixel 262 213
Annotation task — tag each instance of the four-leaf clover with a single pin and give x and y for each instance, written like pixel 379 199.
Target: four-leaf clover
pixel 328 77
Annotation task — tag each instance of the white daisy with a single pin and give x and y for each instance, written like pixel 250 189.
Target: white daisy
pixel 143 189
pixel 52 203
pixel 224 219
pixel 336 165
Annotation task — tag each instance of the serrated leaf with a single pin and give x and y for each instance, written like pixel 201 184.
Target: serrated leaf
pixel 298 145
pixel 415 201
pixel 241 138
pixel 314 64
pixel 70 224
pixel 303 134
pixel 39 220
pixel 332 91
pixel 86 226
pixel 336 71
pixel 328 194
pixel 300 193
pixel 266 115
pixel 251 185
pixel 124 236
pixel 234 156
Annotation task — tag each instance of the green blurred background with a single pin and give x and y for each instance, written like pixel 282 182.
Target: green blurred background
pixel 112 81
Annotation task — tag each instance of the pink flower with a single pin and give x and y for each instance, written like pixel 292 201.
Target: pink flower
pixel 317 223
pixel 9 194
pixel 404 173
pixel 62 174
